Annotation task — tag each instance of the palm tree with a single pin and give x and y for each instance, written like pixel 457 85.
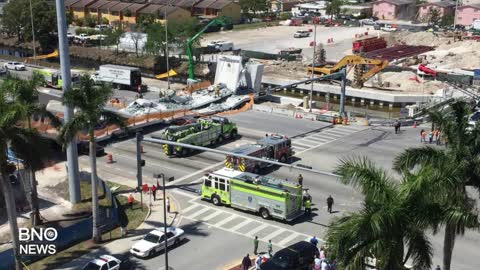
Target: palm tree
pixel 90 100
pixel 457 167
pixel 26 144
pixel 389 227
pixel 26 94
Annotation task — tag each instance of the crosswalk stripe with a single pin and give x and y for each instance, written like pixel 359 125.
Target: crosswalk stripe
pixel 314 140
pixel 224 221
pixel 320 139
pixel 190 207
pixel 301 144
pixel 257 229
pixel 272 235
pixel 240 225
pixel 334 134
pixel 214 214
pixel 288 239
pixel 199 212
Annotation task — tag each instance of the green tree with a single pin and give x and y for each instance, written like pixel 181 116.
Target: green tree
pixel 16 21
pixel 458 168
pixel 178 34
pixel 447 20
pixel 145 20
pixel 90 100
pixel 25 93
pixel 253 6
pixel 114 35
pixel 334 7
pixel 391 224
pixel 90 21
pixel 26 144
pixel 136 35
pixel 433 15
pixel 155 42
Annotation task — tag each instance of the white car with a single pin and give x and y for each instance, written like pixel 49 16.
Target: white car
pixel 153 242
pixel 104 262
pixel 14 65
pixel 221 46
pixel 301 34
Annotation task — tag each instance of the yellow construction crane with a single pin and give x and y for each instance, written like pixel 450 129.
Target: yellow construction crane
pixel 359 63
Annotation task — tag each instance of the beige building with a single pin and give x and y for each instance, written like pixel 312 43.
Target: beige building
pixel 218 8
pixel 175 14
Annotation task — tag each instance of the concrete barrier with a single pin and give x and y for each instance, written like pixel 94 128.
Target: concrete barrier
pixel 283 112
pixel 262 108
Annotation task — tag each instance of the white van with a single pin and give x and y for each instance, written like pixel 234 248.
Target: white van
pixel 102 27
pixel 221 46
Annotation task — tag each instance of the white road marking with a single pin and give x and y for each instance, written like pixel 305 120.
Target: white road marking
pixel 273 234
pixel 300 144
pixel 190 207
pixel 240 225
pixel 224 221
pixel 255 230
pixel 198 172
pixel 214 214
pixel 287 239
pixel 198 213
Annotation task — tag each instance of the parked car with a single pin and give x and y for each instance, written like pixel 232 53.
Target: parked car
pixel 299 256
pixel 102 27
pixel 388 28
pixel 106 262
pixel 221 46
pixel 84 149
pixel 301 34
pixel 14 65
pixel 154 242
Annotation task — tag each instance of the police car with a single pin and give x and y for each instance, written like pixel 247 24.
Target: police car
pixel 104 262
pixel 154 242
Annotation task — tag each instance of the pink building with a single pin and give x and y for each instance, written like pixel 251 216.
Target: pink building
pixel 394 9
pixel 468 13
pixel 444 8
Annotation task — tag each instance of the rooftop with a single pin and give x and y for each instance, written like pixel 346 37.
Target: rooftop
pixel 439 3
pixel 83 3
pixel 120 6
pixel 396 2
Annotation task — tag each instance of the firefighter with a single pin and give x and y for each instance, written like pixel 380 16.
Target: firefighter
pixel 300 180
pixel 329 203
pixel 130 200
pixel 217 90
pixel 308 207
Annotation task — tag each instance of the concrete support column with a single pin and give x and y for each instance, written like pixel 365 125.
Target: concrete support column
pixel 372 102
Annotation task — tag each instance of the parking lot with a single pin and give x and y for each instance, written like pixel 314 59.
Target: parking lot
pixel 275 38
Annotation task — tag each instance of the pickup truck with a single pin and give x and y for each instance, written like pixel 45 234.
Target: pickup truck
pixel 388 28
pixel 82 37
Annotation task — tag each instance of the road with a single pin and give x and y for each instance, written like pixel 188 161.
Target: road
pixel 228 233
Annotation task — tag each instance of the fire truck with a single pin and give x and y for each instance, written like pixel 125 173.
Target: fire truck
pixel 268 196
pixel 272 147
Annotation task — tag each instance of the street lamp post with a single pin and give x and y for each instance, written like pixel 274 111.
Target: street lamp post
pixel 313 63
pixel 166 43
pixel 161 175
pixel 33 35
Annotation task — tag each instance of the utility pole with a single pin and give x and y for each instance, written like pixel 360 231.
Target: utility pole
pixel 343 84
pixel 157 176
pixel 33 35
pixel 140 163
pixel 313 63
pixel 72 154
pixel 166 44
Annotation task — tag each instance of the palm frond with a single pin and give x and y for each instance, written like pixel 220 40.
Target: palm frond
pixel 417 156
pixel 70 129
pixel 420 248
pixel 111 118
pixel 30 146
pixel 362 173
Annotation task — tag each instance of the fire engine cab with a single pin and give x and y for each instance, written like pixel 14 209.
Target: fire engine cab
pixel 272 147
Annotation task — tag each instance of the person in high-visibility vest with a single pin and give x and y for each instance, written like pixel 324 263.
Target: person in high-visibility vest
pixel 130 200
pixel 308 208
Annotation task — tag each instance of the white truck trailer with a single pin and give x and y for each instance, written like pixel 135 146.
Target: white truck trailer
pixel 121 77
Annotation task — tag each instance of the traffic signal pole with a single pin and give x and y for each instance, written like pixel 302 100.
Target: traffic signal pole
pixel 222 152
pixel 139 138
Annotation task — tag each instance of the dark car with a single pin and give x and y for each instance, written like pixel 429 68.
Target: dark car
pixel 299 256
pixel 83 148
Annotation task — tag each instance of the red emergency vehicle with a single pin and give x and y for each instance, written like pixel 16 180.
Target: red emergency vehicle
pixel 273 147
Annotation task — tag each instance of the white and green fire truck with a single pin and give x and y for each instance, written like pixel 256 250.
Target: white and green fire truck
pixel 53 78
pixel 270 197
pixel 205 132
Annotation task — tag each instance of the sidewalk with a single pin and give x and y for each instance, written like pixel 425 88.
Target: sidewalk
pixel 123 245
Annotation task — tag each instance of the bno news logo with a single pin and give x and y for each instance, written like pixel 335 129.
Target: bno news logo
pixel 37 241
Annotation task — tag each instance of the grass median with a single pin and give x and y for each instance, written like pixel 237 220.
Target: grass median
pixel 135 216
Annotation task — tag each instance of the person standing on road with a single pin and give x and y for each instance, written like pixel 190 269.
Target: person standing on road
pixel 246 262
pixel 314 241
pixel 258 262
pixel 435 133
pixel 317 262
pixel 167 202
pixel 423 135
pixel 255 245
pixel 130 200
pixel 270 248
pixel 430 137
pixel 330 203
pixel 154 192
pixel 308 207
pixel 300 180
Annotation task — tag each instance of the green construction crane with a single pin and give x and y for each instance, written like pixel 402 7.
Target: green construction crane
pixel 219 20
